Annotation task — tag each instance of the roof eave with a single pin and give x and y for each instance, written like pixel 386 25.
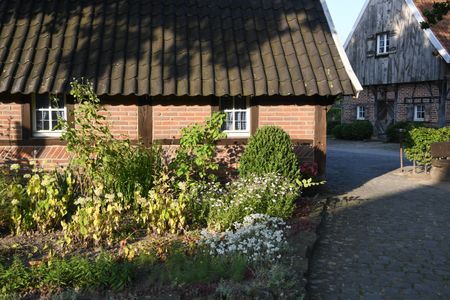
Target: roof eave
pixel 357 87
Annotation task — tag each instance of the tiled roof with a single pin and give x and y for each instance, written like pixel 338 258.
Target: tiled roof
pixel 170 47
pixel 441 29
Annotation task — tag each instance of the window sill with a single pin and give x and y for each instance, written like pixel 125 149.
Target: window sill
pixel 233 135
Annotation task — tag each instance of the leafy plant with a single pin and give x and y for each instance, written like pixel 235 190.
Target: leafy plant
pixel 6 183
pixel 418 143
pixel 99 218
pixel 76 272
pixel 101 159
pixel 203 268
pixel 41 200
pixel 195 157
pixel 270 150
pixel 164 210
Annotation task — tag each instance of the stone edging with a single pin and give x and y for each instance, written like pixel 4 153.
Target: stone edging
pixel 319 235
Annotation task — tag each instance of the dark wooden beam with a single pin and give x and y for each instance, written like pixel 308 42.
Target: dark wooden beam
pixel 145 121
pixel 254 115
pixel 320 138
pixel 26 118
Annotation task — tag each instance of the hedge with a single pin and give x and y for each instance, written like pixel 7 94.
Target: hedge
pixel 418 143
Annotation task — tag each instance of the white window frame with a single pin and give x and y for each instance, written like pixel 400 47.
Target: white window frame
pixel 49 109
pixel 360 112
pixel 417 111
pixel 385 38
pixel 238 133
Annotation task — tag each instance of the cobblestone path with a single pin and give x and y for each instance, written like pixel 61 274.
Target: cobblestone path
pixel 387 237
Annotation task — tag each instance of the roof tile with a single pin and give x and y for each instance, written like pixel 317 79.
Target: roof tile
pixel 170 47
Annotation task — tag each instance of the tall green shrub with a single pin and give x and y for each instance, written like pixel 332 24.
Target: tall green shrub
pixel 418 143
pixel 99 157
pixel 270 150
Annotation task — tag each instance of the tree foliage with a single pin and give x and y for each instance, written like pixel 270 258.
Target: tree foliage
pixel 436 14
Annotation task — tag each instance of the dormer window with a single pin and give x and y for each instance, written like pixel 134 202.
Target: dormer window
pixel 383 43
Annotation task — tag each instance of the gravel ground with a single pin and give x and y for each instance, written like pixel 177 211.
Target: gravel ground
pixel 387 236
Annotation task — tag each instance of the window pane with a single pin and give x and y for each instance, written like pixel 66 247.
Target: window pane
pixel 240 103
pixel 226 103
pixel 228 124
pixel 42 101
pixel 56 115
pixel 42 120
pixel 241 121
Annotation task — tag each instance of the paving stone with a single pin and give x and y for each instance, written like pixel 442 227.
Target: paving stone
pixel 390 244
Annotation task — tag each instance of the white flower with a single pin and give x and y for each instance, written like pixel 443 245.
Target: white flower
pixel 14 167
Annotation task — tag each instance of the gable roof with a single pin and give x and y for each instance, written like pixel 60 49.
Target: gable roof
pixel 171 47
pixel 439 34
pixel 440 31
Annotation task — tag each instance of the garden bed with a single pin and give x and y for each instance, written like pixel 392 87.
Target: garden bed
pixel 126 221
pixel 284 280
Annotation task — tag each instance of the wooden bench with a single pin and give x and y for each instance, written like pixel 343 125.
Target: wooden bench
pixel 441 161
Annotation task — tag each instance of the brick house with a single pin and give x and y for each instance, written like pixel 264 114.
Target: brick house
pixel 404 69
pixel 159 65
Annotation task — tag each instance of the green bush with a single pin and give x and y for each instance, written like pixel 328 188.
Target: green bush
pixel 270 150
pixel 337 131
pixel 357 130
pixel 392 130
pixel 269 194
pixel 418 143
pixel 331 125
pixel 334 114
pixel 361 130
pixel 333 119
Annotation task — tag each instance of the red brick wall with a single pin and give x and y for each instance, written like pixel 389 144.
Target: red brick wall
pixel 168 119
pixel 48 156
pixel 367 99
pixel 297 120
pixel 10 121
pixel 122 119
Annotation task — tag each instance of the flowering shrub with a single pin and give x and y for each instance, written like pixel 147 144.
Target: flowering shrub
pixel 259 237
pixel 269 194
